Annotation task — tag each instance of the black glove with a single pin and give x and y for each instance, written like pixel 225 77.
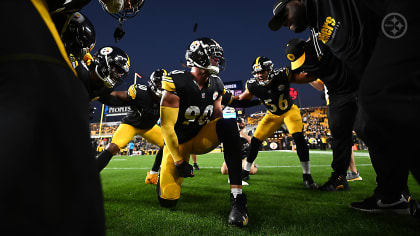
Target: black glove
pixel 185 170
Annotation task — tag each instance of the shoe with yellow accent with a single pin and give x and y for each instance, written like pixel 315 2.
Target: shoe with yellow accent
pixel 151 178
pixel 336 182
pixel 352 176
pixel 238 213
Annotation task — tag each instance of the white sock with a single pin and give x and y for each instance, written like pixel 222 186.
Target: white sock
pixel 247 166
pixel 153 172
pixel 236 191
pixel 306 167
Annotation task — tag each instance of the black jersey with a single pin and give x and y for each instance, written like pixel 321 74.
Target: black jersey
pixel 95 89
pixel 324 65
pixel 347 27
pixel 275 96
pixel 145 111
pixel 195 104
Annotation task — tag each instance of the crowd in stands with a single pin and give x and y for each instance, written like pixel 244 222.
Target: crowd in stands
pixel 315 123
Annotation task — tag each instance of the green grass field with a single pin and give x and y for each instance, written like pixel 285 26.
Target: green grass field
pixel 278 203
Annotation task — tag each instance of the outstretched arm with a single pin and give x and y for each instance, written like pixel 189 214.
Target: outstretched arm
pixel 116 99
pixel 301 78
pixel 235 102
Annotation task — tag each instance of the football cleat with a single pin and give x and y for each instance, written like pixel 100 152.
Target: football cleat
pixel 309 182
pixel 352 176
pixel 372 204
pixel 151 178
pixel 196 166
pixel 336 182
pixel 238 215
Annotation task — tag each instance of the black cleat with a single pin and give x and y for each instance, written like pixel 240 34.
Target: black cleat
pixel 245 175
pixel 309 182
pixel 335 182
pixel 372 204
pixel 196 166
pixel 238 215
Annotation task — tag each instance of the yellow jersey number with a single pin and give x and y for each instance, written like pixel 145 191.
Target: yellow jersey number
pixel 193 112
pixel 282 105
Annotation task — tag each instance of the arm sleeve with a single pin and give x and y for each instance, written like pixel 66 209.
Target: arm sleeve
pixel 244 103
pixel 169 116
pixel 113 101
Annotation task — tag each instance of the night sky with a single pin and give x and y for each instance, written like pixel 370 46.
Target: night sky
pixel 159 35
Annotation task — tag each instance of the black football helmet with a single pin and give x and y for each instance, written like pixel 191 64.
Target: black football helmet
pixel 78 35
pixel 111 64
pixel 201 51
pixel 262 64
pixel 155 81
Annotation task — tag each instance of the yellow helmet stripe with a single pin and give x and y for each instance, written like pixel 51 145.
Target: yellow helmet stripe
pixel 257 61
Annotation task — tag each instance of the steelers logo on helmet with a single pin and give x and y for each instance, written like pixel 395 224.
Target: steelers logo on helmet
pixel 207 54
pixel 106 51
pixel 194 46
pixel 262 69
pixel 111 65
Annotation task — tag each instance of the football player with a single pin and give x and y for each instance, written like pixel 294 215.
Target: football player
pixel 45 190
pixel 192 123
pixel 100 74
pixel 272 88
pixel 141 120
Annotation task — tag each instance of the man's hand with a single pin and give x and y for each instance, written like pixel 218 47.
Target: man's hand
pixel 185 170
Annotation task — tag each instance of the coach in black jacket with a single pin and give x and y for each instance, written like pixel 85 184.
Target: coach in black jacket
pixel 376 39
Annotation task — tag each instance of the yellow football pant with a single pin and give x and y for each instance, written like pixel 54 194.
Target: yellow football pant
pixel 205 141
pixel 270 123
pixel 125 134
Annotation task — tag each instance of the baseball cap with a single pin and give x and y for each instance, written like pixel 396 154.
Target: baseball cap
pixel 295 52
pixel 275 22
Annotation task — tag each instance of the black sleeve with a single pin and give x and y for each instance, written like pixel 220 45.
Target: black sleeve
pixel 226 98
pixel 113 101
pixel 244 103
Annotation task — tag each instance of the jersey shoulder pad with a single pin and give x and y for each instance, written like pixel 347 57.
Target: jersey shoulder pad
pixel 172 80
pixel 134 89
pixel 219 83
